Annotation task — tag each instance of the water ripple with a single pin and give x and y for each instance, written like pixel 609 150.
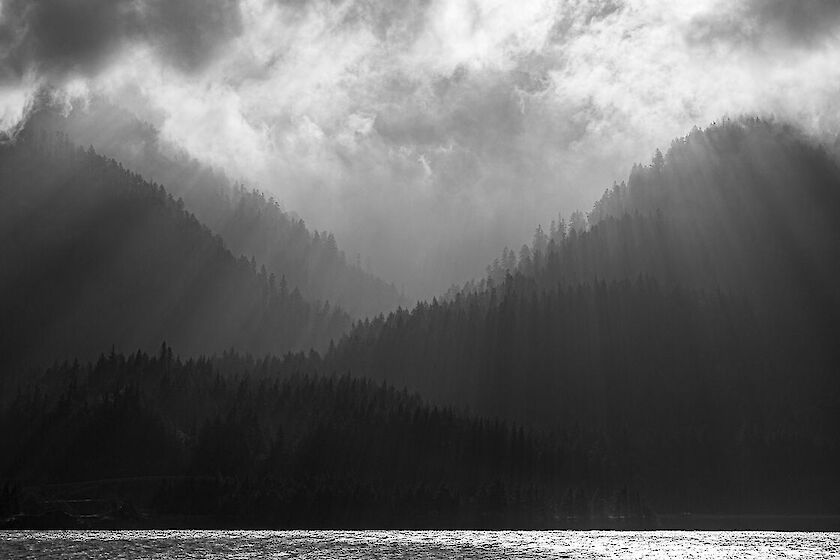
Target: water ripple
pixel 473 545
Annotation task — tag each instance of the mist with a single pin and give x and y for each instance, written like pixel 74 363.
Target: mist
pixel 427 135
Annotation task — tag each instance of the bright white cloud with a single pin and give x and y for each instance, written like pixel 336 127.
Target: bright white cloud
pixel 13 102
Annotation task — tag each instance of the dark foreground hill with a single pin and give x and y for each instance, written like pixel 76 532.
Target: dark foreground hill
pixel 693 325
pixel 143 440
pixel 95 256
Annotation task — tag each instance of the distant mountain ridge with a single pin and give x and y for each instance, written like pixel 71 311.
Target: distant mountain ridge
pixel 251 223
pixel 94 256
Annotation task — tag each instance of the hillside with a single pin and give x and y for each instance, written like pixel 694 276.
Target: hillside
pixel 94 256
pixel 692 324
pixel 238 442
pixel 250 222
pixel 747 207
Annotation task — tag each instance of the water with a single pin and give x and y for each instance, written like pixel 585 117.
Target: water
pixel 447 545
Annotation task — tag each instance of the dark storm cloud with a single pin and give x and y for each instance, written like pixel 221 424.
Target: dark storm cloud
pixel 59 36
pixel 190 32
pixel 56 38
pixel 794 22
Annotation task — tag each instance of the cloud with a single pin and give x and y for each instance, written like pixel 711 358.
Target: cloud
pixel 61 38
pixel 430 134
pixel 764 23
pixel 189 33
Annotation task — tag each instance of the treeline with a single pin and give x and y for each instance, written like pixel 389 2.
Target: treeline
pixel 749 207
pixel 249 222
pixel 93 256
pixel 235 441
pixel 691 319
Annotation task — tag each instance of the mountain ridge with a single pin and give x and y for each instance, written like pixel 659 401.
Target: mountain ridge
pixel 251 222
pixel 97 256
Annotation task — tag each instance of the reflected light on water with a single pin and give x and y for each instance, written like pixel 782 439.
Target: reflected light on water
pixel 313 545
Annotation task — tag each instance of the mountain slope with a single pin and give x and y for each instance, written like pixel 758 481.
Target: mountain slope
pixel 694 327
pixel 746 206
pixel 95 256
pixel 249 222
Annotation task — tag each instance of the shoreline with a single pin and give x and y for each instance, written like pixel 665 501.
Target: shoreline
pixel 662 522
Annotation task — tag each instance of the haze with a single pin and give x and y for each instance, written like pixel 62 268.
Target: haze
pixel 428 135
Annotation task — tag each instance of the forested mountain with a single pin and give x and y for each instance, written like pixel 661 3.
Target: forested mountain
pixel 94 256
pixel 675 348
pixel 249 222
pixel 244 442
pixel 692 323
pixel 748 207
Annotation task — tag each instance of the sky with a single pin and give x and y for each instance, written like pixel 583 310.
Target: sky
pixel 429 134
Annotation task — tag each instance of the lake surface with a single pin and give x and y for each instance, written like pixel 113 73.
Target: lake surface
pixel 418 544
